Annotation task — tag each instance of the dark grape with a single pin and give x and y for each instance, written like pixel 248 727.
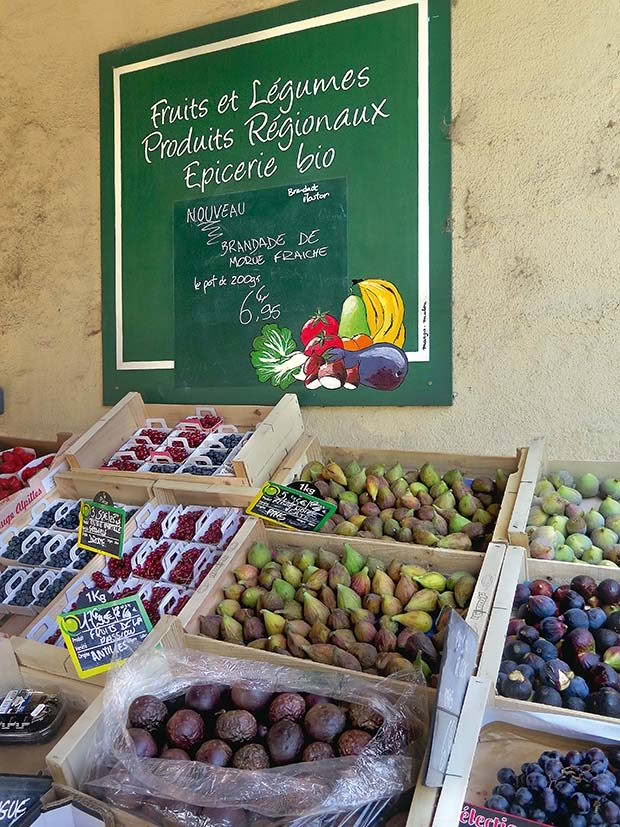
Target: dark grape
pixel 517 811
pixel 497 802
pixel 579 803
pixel 523 797
pixel 507 791
pixel 536 781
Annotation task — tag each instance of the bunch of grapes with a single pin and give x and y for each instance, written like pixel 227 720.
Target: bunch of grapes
pixel 578 789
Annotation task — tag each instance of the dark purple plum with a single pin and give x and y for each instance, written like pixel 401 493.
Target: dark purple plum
pixel 381 366
pixel 144 742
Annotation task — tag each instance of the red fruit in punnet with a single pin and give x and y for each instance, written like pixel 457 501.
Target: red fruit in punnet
pixel 541 587
pixel 180 604
pixel 213 534
pixel 320 323
pixel 156 436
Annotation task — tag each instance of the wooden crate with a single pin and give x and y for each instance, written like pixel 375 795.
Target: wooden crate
pixel 489 737
pixel 66 760
pixel 56 659
pixel 486 566
pixel 276 431
pixel 517 568
pixel 308 449
pixel 537 466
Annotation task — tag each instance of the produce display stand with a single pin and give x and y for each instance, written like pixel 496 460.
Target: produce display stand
pixel 56 659
pixel 67 758
pixel 309 449
pixel 275 431
pixel 538 466
pixel 490 737
pixel 53 659
pixel 517 568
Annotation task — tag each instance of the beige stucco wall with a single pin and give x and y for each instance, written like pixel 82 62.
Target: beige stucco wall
pixel 536 195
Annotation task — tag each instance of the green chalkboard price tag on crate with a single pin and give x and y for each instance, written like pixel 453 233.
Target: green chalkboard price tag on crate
pixel 275 196
pixel 102 526
pixel 103 635
pixel 290 508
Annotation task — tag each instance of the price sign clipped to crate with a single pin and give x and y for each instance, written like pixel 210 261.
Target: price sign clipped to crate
pixel 104 635
pixel 20 797
pixel 102 526
pixel 287 507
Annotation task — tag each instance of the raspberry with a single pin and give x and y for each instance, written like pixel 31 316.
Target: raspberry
pixel 214 533
pixel 179 605
pixel 209 421
pixel 186 526
pixel 122 464
pixel 152 567
pixel 183 572
pixel 156 436
pixel 193 436
pixel 154 531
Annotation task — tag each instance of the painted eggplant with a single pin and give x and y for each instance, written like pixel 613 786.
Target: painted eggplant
pixel 381 366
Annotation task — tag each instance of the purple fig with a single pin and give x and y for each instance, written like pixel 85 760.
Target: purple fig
pixel 552 630
pixel 540 607
pixel 585 585
pixel 603 675
pixel 514 625
pixel 555 676
pixel 538 587
pixel 580 641
pixel 522 594
pixel 608 592
pixel 588 661
pixel 528 634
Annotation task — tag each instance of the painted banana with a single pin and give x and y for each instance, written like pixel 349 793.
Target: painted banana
pixel 385 311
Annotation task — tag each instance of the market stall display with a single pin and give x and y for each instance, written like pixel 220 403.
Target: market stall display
pixel 231 445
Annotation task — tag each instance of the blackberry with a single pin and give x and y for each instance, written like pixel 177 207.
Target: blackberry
pixel 200 470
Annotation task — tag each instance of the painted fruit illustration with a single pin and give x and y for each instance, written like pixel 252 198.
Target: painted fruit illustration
pixel 363 348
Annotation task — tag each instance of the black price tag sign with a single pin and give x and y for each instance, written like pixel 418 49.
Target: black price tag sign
pixel 20 797
pixel 102 526
pixel 287 507
pixel 475 815
pixel 99 637
pixel 306 487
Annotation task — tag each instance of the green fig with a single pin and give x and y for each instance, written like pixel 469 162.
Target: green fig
pixel 543 488
pixel 457 523
pixel 411 570
pixel 231 630
pixel 385 498
pixel 386 622
pixel 346 529
pixel 352 469
pixel 228 607
pixel 483 517
pixel 445 500
pixel 450 477
pixel 558 478
pixel 610 487
pixel 292 610
pixel 447 599
pixel 423 537
pixel 374 564
pixel 250 597
pixel 463 589
pixel 468 505
pixel 348 497
pixel 234 591
pixel 438 489
pixel 432 580
pixel 604 538
pixel 405 589
pixel 352 560
pixel 274 623
pixel 428 475
pixel 425 600
pixel 346 598
pixel 537 516
pixel 285 589
pixel 587 485
pixel 374 525
pixel 418 488
pixel 332 471
pixel 458 540
pixel 391 605
pixel 501 479
pixel 593 556
pixel 382 584
pixel 391 527
pixel 292 575
pixel 565 554
pixel 317 580
pixel 608 507
pixel 270 600
pixel 482 484
pixel 314 610
pixel 319 633
pixel 357 482
pixel 335 489
pixel 576 526
pixel 579 543
pixel 283 555
pixel 594 520
pixel 400 488
pixel 419 620
pixel 571 495
pixel 259 555
pixel 553 504
pixel 405 535
pixel 312 471
pixel 376 470
pixel 394 473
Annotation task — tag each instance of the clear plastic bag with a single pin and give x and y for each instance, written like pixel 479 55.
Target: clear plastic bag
pixel 194 793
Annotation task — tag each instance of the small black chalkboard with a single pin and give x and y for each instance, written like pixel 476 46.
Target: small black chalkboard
pixel 102 526
pixel 19 796
pixel 93 597
pixel 287 507
pixel 99 636
pixel 306 487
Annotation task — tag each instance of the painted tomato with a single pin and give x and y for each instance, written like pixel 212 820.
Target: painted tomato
pixel 321 343
pixel 321 323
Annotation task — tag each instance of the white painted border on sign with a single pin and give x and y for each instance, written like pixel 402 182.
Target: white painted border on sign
pixel 422 354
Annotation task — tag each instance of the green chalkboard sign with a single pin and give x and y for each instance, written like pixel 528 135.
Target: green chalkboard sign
pixel 320 123
pixel 240 264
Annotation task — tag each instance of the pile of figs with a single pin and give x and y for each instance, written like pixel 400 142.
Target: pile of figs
pixel 345 610
pixel 248 728
pixel 575 520
pixel 417 506
pixel 563 646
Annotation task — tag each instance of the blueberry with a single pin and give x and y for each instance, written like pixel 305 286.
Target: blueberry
pixel 595 820
pixel 599 765
pixel 595 754
pixel 554 769
pixel 529 766
pixel 507 776
pixel 505 790
pixel 523 797
pixel 497 802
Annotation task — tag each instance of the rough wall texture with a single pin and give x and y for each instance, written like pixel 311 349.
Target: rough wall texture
pixel 536 210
